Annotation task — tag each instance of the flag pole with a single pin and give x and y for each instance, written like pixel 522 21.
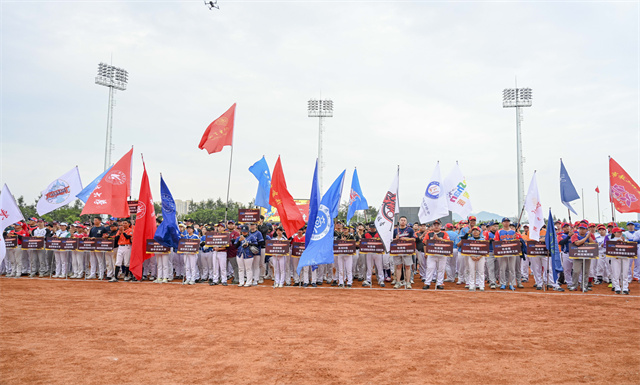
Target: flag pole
pixel 583 216
pixel 522 210
pixel 226 207
pixel 598 198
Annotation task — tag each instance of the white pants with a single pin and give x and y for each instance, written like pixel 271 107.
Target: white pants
pixel 206 261
pixel 375 260
pixel 603 268
pixel 61 262
pixel 77 262
pixel 450 267
pixel 219 266
pixel 256 263
pixel 305 274
pixel 245 266
pixel 344 267
pixel 97 263
pixel 38 258
pixel 124 255
pixel 190 261
pixel 293 262
pixel 15 256
pixel 620 273
pixel 109 262
pixel 279 267
pixel 463 269
pixel 476 272
pixel 436 263
pixel 508 270
pixel 163 265
pixel 178 263
pixel 567 267
pixel 422 265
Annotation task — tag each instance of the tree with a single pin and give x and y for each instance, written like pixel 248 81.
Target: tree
pixel 210 211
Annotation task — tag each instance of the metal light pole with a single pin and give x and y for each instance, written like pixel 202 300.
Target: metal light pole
pixel 518 97
pixel 116 79
pixel 320 109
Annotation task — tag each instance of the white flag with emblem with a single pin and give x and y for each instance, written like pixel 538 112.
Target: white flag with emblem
pixel 534 209
pixel 390 207
pixel 60 192
pixel 434 202
pixel 9 214
pixel 458 199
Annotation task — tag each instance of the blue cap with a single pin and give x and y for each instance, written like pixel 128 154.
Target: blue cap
pixel 244 228
pixel 505 219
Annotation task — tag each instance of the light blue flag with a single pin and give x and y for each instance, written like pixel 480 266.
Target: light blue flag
pixel 551 240
pixel 260 170
pixel 314 203
pixel 320 249
pixel 84 194
pixel 568 193
pixel 167 233
pixel 357 201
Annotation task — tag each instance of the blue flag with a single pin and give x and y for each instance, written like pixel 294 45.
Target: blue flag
pixel 314 203
pixel 320 249
pixel 568 193
pixel 84 194
pixel 260 170
pixel 357 201
pixel 167 233
pixel 551 240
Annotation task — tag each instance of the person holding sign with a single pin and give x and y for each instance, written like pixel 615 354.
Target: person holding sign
pixel 123 256
pixel 619 265
pixel 490 260
pixel 206 257
pixel 603 267
pixel 61 256
pixel 15 254
pixel 475 263
pixel 248 247
pixel 97 257
pixel 373 259
pixel 435 262
pixel 39 257
pixel 190 259
pixel 580 239
pixel 219 260
pixel 507 262
pixel 77 256
pixel 403 232
pixel 294 260
pixel 344 261
pixel 279 260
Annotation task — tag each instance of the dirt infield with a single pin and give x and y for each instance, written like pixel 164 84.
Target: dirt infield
pixel 61 332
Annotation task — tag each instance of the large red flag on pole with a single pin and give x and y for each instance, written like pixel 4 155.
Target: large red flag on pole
pixel 110 194
pixel 624 192
pixel 219 133
pixel 145 227
pixel 290 215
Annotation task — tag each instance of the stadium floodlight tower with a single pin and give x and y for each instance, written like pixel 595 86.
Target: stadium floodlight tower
pixel 320 109
pixel 116 79
pixel 518 98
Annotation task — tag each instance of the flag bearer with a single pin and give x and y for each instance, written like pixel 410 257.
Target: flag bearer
pixel 583 236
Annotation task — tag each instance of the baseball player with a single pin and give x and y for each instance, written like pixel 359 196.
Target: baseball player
pixel 38 257
pixel 435 262
pixel 475 263
pixel 490 260
pixel 123 256
pixel 248 245
pixel 619 266
pixel 97 257
pixel 61 256
pixel 508 262
pixel 579 239
pixel 219 261
pixel 373 259
pixel 190 260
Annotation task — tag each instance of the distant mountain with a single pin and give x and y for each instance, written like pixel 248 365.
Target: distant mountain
pixel 482 216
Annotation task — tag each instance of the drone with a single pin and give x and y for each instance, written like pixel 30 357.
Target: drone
pixel 212 4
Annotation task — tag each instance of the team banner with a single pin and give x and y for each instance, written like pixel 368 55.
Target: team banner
pixel 474 248
pixel 154 247
pixel 105 244
pixel 537 249
pixel 217 240
pixel 32 243
pixel 248 215
pixel 62 244
pixel 60 192
pixel 297 248
pixel 188 246
pixel 276 247
pixel 403 247
pixel 622 249
pixel 344 247
pixel 586 251
pixel 507 248
pixel 371 246
pixel 86 244
pixel 438 247
pixel 11 243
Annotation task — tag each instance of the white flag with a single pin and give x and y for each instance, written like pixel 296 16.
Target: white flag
pixel 9 214
pixel 458 199
pixel 434 202
pixel 60 192
pixel 390 207
pixel 534 210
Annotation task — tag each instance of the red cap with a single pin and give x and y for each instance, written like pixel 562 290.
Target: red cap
pixel 592 225
pixel 611 224
pixel 616 230
pixel 472 218
pixel 448 226
pixel 475 228
pixel 601 227
pixel 583 226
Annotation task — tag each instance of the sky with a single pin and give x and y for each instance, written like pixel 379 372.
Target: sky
pixel 413 84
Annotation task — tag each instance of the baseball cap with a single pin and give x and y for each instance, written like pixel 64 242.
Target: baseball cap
pixel 566 224
pixel 505 219
pixel 448 226
pixel 231 222
pixel 616 230
pixel 583 226
pixel 592 225
pixel 244 228
pixel 437 221
pixel 601 227
pixel 472 218
pixel 63 224
pixel 525 225
pixel 475 228
pixel 631 223
pixel 371 224
pixel 611 224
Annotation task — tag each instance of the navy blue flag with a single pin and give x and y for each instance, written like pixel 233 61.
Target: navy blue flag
pixel 314 203
pixel 357 201
pixel 84 194
pixel 320 249
pixel 551 240
pixel 568 193
pixel 167 233
pixel 260 170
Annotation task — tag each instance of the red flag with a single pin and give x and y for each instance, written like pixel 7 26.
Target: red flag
pixel 624 191
pixel 110 195
pixel 597 190
pixel 290 215
pixel 219 133
pixel 145 227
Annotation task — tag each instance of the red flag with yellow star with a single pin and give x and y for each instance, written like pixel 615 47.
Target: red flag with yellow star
pixel 279 197
pixel 623 190
pixel 219 133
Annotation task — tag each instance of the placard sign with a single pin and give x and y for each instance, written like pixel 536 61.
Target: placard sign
pixel 586 251
pixel 622 249
pixel 276 247
pixel 403 247
pixel 371 246
pixel 11 243
pixel 133 207
pixel 537 249
pixel 188 246
pixel 438 247
pixel 344 247
pixel 297 248
pixel 217 240
pixel 248 215
pixel 87 244
pixel 32 243
pixel 62 244
pixel 153 247
pixel 507 248
pixel 104 244
pixel 474 247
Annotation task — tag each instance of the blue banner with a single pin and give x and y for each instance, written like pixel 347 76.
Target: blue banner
pixel 84 194
pixel 260 170
pixel 167 233
pixel 568 192
pixel 314 203
pixel 551 240
pixel 357 201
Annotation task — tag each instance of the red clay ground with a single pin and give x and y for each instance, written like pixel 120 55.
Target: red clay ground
pixel 90 332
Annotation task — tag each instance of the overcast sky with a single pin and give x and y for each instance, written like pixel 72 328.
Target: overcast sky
pixel 413 83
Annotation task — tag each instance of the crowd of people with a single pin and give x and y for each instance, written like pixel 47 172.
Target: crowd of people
pixel 244 261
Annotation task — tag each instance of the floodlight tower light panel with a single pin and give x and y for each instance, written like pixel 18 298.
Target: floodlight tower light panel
pixel 516 97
